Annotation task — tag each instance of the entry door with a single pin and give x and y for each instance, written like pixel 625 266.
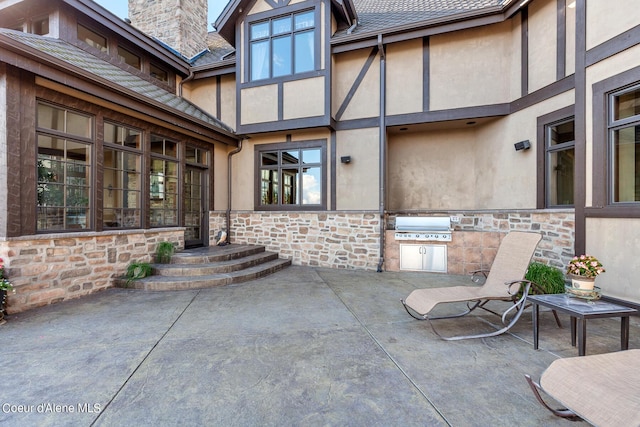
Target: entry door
pixel 194 207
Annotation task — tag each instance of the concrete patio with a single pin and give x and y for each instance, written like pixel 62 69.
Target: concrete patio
pixel 304 346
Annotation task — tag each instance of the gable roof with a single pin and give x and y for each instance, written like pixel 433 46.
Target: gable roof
pixel 76 61
pixel 371 17
pixel 383 15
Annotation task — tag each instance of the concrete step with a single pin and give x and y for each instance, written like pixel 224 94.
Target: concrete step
pixel 213 254
pixel 175 283
pixel 209 268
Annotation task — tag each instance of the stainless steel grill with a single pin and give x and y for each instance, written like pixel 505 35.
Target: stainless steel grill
pixel 423 228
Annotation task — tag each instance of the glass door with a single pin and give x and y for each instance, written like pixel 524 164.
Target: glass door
pixel 194 207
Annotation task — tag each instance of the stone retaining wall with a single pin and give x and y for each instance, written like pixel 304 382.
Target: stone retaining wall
pixel 351 239
pixel 55 267
pixel 323 239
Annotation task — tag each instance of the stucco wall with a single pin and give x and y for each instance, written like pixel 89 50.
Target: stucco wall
pixel 303 98
pixel 542 26
pixel 431 170
pixel 615 242
pixel 456 58
pixel 620 18
pixel 404 77
pixel 366 100
pixel 357 183
pixel 259 104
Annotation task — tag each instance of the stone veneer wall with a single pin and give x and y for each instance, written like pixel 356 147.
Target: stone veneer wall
pixel 50 268
pixel 476 237
pixel 319 239
pixel 180 24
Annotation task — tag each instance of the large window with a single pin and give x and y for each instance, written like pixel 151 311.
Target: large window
pixel 282 46
pixel 163 182
pixel 560 163
pixel 624 145
pixel 291 177
pixel 122 174
pixel 64 169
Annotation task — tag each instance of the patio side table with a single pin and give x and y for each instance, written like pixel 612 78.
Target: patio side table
pixel 580 310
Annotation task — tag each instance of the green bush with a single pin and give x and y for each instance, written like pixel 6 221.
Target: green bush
pixel 549 279
pixel 138 270
pixel 164 252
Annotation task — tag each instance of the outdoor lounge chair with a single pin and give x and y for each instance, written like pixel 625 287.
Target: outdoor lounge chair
pixel 602 389
pixel 504 282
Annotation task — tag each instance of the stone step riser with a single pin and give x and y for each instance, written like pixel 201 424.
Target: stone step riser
pixel 203 282
pixel 182 258
pixel 206 269
pixel 196 270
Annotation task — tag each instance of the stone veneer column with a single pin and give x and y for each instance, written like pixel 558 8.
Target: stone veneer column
pixel 182 24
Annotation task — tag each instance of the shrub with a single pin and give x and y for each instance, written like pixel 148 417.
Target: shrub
pixel 549 279
pixel 164 252
pixel 138 270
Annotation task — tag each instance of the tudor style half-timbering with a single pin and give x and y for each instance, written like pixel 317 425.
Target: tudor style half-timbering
pixel 322 121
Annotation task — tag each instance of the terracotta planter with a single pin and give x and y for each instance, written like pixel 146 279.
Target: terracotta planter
pixel 583 283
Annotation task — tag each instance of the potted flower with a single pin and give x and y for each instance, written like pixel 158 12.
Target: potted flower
pixel 583 270
pixel 5 287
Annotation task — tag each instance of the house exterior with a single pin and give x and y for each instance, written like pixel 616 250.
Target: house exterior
pixel 309 126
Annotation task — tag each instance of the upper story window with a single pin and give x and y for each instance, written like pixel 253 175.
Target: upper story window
pixel 560 163
pixel 92 38
pixel 282 46
pixel 40 26
pixel 158 73
pixel 129 57
pixel 624 145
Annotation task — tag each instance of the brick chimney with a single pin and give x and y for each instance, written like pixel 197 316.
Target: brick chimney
pixel 181 24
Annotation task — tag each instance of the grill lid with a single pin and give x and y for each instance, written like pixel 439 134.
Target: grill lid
pixel 423 223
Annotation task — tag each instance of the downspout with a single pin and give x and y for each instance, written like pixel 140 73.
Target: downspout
pixel 353 27
pixel 189 78
pixel 229 178
pixel 383 147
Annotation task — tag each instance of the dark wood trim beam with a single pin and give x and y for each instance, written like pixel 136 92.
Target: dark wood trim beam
pixel 218 98
pixel 580 126
pixel 447 115
pixel 524 52
pixel 613 46
pixel 544 93
pixel 561 39
pixel 357 82
pixel 284 125
pixel 426 75
pixel 333 156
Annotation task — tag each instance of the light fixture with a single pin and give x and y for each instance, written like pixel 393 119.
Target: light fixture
pixel 345 159
pixel 110 188
pixel 571 5
pixel 522 145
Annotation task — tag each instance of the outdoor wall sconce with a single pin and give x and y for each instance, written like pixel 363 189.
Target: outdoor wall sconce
pixel 522 145
pixel 345 159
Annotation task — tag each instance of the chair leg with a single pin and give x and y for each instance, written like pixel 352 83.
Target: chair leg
pixel 563 413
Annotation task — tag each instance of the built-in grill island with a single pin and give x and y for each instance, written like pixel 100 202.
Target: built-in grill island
pixel 428 236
